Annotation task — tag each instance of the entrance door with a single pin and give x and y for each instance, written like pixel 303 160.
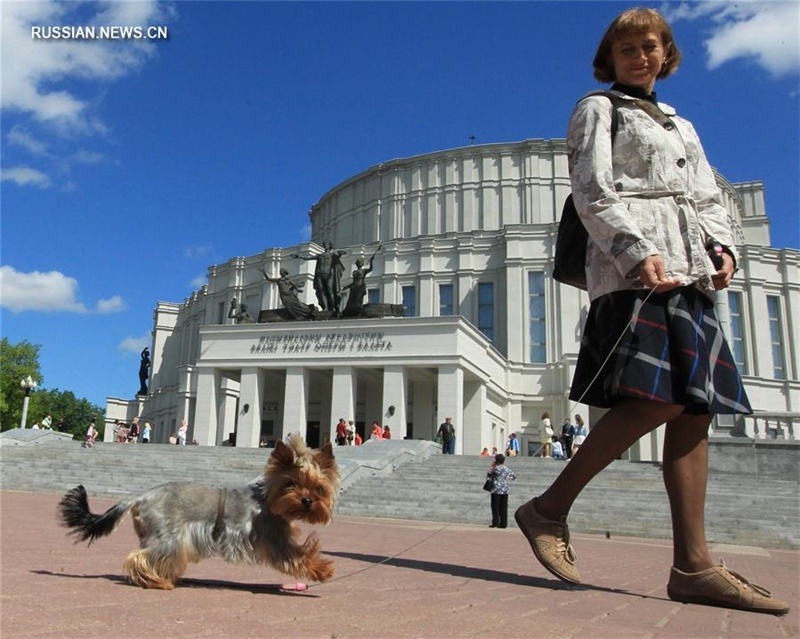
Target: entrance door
pixel 312 434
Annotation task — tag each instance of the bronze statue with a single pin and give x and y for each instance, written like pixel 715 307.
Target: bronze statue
pixel 327 276
pixel 288 291
pixel 144 371
pixel 239 313
pixel 358 287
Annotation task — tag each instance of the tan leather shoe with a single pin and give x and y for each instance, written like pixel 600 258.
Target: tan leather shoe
pixel 549 541
pixel 718 586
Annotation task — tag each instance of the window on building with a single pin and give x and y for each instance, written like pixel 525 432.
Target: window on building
pixel 776 336
pixel 538 321
pixel 410 301
pixel 445 299
pixel 221 313
pixel 486 309
pixel 737 330
pixel 374 296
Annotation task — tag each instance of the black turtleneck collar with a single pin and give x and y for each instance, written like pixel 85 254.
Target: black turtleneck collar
pixel 635 92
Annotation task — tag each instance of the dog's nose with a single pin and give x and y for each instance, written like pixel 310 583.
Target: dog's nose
pixel 306 501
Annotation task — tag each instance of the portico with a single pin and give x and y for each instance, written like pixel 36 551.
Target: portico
pixel 263 382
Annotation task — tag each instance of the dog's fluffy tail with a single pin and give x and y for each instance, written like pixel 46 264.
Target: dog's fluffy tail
pixel 75 515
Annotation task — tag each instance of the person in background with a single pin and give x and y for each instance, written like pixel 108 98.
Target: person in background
pixel 182 430
pixel 485 452
pixel 341 432
pixel 387 434
pixel 556 449
pixel 376 432
pixel 146 433
pixel 502 474
pixel 660 245
pixel 545 434
pixel 47 422
pixel 91 435
pixel 512 447
pixel 447 433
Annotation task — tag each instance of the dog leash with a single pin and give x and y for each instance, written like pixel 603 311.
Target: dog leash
pixel 301 587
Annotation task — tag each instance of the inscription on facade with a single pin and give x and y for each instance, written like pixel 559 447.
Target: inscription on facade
pixel 343 342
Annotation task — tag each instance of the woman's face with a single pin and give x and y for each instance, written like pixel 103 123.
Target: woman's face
pixel 638 58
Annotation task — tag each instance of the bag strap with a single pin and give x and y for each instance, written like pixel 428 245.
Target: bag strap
pixel 645 105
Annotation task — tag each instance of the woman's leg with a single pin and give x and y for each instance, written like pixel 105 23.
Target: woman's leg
pixel 685 476
pixel 616 431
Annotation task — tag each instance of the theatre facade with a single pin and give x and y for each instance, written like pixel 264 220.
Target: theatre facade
pixel 464 242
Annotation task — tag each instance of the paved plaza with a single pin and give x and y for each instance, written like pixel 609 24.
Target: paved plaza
pixel 440 581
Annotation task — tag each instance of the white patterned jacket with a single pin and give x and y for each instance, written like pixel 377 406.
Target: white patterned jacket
pixel 652 193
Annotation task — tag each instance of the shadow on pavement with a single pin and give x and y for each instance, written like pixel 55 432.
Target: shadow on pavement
pixel 190 582
pixel 484 574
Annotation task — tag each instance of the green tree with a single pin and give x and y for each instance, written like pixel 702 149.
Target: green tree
pixel 70 414
pixel 17 361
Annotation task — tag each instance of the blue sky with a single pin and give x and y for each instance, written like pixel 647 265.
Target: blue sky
pixel 129 167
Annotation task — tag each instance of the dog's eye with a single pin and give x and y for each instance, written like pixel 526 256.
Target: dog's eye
pixel 320 490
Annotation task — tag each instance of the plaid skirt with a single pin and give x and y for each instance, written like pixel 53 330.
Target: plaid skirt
pixel 673 352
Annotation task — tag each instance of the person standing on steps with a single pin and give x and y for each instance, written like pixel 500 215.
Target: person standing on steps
pixel 447 433
pixel 660 245
pixel 501 474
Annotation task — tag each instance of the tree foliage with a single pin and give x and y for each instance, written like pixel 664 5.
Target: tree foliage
pixel 69 413
pixel 17 361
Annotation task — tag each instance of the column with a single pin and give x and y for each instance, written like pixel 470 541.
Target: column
pixel 226 421
pixel 450 400
pixel 422 411
pixel 394 394
pixel 343 398
pixel 251 400
pixel 295 402
pixel 474 417
pixel 204 426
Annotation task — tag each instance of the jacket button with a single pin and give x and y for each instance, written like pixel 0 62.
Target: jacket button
pixel 669 126
pixel 681 162
pixel 618 186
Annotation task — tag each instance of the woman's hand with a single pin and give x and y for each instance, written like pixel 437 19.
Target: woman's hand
pixel 652 274
pixel 722 278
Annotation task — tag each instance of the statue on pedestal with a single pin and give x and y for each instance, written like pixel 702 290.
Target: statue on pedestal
pixel 327 276
pixel 239 313
pixel 288 291
pixel 358 287
pixel 144 371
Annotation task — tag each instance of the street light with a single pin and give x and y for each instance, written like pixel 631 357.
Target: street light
pixel 27 385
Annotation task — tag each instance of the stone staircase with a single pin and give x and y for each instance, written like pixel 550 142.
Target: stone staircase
pixel 625 499
pixel 410 480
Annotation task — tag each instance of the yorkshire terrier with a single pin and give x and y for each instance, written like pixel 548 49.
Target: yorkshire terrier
pixel 178 523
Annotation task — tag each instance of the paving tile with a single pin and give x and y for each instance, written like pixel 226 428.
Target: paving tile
pixel 436 581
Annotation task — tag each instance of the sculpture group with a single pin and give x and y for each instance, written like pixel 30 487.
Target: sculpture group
pixel 328 288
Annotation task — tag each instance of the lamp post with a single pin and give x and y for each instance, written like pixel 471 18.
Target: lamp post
pixel 27 385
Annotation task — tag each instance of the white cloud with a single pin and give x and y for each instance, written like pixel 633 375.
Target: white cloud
pixel 18 136
pixel 25 176
pixel 193 252
pixel 83 156
pixel 198 282
pixel 37 65
pixel 52 291
pixel 765 32
pixel 134 344
pixel 113 304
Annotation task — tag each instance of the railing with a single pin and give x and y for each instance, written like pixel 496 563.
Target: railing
pixel 771 425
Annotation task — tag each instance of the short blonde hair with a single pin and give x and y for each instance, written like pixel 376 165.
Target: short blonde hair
pixel 636 20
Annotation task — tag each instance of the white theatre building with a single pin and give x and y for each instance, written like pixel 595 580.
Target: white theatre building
pixel 489 338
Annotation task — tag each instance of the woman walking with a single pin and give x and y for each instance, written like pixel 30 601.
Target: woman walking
pixel 659 246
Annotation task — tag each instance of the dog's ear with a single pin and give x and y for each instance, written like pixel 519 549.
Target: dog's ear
pixel 325 459
pixel 282 456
